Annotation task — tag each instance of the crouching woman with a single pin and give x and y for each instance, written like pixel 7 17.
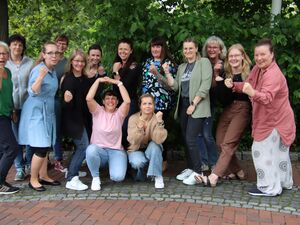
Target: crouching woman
pixel 106 149
pixel 146 133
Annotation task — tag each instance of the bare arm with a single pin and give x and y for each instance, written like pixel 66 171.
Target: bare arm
pixel 91 102
pixel 36 86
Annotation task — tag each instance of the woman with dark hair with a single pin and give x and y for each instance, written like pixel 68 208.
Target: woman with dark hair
pixel 8 145
pixel 126 69
pixel 94 68
pixel 20 66
pixel 106 149
pixel 273 123
pixel 154 79
pixel 192 82
pixel 75 115
pixel 37 124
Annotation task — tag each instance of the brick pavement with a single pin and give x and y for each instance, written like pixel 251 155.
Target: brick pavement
pixel 125 212
pixel 140 203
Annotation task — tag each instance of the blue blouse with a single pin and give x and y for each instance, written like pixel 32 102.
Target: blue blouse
pixel 37 124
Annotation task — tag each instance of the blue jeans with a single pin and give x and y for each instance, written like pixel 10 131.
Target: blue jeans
pixel 78 156
pixel 152 155
pixel 57 147
pixel 207 143
pixel 20 161
pixel 116 160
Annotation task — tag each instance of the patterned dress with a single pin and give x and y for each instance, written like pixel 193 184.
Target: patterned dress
pixel 164 97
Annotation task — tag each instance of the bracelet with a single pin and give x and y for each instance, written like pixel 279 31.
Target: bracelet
pixel 120 84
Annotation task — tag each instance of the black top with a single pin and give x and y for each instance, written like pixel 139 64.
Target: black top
pixel 75 114
pixel 131 78
pixel 225 95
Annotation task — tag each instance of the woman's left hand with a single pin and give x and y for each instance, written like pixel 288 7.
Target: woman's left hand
pixel 190 110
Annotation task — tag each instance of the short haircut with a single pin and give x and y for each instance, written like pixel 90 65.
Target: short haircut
pixel 265 41
pixel 219 41
pixel 5 46
pixel 62 37
pixel 109 93
pixel 95 47
pixel 19 38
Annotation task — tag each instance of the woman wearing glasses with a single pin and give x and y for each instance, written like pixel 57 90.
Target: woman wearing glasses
pixel 75 115
pixel 37 128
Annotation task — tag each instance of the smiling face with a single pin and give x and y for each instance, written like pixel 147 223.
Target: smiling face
pixel 147 106
pixel 51 55
pixel 16 48
pixel 124 51
pixel 78 64
pixel 190 51
pixel 3 56
pixel 235 58
pixel 94 56
pixel 263 56
pixel 156 51
pixel 213 50
pixel 62 46
pixel 110 103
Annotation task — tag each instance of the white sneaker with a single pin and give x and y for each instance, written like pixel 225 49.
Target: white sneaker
pixel 159 182
pixel 96 184
pixel 80 173
pixel 76 184
pixel 191 179
pixel 184 174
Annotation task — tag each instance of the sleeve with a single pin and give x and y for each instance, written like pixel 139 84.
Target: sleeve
pixel 99 109
pixel 135 134
pixel 68 85
pixel 32 77
pixel 271 84
pixel 223 94
pixel 175 85
pixel 159 133
pixel 206 72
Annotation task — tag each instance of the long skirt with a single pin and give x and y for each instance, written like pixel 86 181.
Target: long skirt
pixel 272 164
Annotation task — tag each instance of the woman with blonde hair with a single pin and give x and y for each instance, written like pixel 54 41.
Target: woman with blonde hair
pixel 37 128
pixel 234 119
pixel 193 81
pixel 75 115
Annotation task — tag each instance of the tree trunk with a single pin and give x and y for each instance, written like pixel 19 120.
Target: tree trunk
pixel 3 20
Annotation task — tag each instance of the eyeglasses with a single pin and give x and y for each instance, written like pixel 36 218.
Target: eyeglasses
pixel 3 53
pixel 53 53
pixel 78 61
pixel 234 56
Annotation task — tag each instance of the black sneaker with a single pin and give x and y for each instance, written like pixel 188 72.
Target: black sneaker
pixel 256 192
pixel 6 189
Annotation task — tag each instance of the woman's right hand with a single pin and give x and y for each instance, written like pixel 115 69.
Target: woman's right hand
pixel 43 71
pixel 68 96
pixel 228 82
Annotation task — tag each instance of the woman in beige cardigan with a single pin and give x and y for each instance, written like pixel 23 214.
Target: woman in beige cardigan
pixel 146 133
pixel 192 82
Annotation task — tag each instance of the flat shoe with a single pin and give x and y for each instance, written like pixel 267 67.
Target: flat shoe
pixel 39 189
pixel 201 179
pixel 211 184
pixel 53 183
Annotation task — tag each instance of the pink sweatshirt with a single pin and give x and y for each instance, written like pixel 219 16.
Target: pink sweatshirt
pixel 270 104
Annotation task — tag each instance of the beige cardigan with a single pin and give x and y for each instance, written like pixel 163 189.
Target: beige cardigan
pixel 138 138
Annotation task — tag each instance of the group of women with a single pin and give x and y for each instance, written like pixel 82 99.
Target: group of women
pixel 103 129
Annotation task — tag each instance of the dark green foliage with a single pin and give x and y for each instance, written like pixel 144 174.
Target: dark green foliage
pixel 106 21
